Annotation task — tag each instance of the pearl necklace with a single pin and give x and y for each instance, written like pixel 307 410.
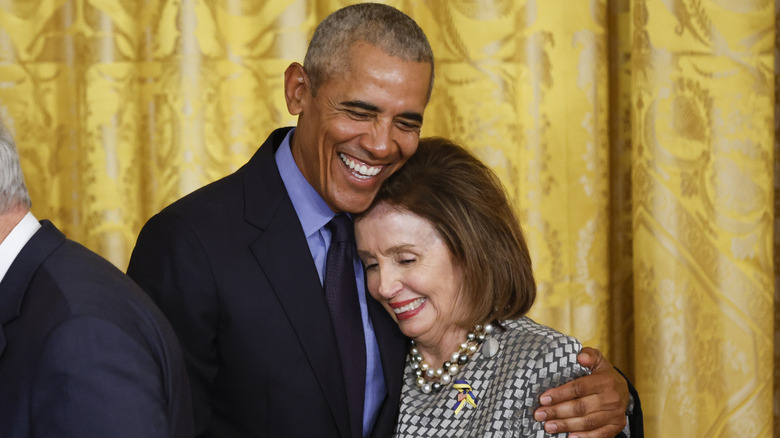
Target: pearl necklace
pixel 430 379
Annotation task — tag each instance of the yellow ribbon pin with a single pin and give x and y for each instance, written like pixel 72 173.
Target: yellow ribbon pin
pixel 464 395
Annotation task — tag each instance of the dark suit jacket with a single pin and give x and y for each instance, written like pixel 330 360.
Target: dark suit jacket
pixel 83 352
pixel 636 417
pixel 230 267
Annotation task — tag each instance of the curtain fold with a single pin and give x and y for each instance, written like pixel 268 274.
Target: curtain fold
pixel 703 202
pixel 636 137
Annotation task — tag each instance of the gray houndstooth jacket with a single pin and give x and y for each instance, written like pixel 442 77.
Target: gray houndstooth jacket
pixel 531 359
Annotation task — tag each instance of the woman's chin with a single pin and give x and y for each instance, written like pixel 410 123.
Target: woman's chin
pixel 408 329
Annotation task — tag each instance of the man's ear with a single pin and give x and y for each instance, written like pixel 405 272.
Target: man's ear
pixel 296 88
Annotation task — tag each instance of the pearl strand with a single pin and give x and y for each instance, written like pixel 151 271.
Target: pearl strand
pixel 430 379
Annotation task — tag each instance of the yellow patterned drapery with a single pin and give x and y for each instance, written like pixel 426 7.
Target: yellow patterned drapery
pixel 637 137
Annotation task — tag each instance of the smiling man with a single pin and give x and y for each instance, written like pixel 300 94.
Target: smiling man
pixel 242 267
pixel 356 131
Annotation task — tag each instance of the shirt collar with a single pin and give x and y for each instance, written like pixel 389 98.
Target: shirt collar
pixel 311 209
pixel 15 241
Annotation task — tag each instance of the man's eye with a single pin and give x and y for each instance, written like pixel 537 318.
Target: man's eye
pixel 406 261
pixel 408 126
pixel 370 266
pixel 358 115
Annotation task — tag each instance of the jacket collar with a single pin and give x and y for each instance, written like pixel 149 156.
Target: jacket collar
pixel 19 276
pixel 278 250
pixel 296 284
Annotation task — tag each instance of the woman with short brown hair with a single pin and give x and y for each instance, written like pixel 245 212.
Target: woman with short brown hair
pixel 445 255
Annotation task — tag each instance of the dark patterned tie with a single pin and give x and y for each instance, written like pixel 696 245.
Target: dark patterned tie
pixel 342 296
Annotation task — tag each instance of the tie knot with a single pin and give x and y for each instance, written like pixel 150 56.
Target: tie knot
pixel 341 228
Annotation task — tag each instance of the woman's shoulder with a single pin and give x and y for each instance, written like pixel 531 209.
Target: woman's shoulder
pixel 525 327
pixel 537 340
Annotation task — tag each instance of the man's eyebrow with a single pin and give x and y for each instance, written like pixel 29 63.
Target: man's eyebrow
pixel 359 104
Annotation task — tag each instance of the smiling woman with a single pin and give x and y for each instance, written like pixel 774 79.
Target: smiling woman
pixel 445 255
pixel 410 271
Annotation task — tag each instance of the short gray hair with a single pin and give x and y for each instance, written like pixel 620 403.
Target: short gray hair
pixel 13 192
pixel 382 26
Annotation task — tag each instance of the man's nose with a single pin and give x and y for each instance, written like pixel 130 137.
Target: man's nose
pixel 379 139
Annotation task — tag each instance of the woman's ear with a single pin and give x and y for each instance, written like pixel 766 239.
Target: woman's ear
pixel 296 88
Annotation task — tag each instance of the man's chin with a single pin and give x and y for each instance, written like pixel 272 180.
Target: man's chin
pixel 355 206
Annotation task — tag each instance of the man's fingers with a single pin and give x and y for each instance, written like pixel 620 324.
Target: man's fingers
pixel 611 425
pixel 575 408
pixel 589 357
pixel 595 403
pixel 584 386
pixel 602 432
pixel 608 402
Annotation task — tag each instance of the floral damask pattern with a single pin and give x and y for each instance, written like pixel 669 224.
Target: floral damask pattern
pixel 635 136
pixel 703 213
pixel 119 108
pixel 529 94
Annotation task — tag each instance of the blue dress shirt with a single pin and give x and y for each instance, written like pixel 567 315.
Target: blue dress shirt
pixel 314 214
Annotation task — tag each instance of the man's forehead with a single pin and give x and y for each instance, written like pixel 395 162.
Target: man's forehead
pixel 365 56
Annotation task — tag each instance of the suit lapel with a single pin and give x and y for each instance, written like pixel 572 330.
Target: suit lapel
pixel 20 274
pixel 392 350
pixel 283 254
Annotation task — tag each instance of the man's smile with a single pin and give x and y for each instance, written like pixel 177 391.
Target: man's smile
pixel 361 170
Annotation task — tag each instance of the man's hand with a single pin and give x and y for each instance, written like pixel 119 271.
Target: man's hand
pixel 592 406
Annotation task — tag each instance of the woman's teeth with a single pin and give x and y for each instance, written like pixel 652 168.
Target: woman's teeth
pixel 411 306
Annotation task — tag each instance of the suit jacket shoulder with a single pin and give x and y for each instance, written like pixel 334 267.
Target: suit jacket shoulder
pixel 78 329
pixel 230 267
pixel 253 193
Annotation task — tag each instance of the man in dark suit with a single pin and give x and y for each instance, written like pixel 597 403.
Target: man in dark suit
pixel 83 351
pixel 238 266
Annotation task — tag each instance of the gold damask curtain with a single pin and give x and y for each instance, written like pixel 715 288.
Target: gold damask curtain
pixel 637 137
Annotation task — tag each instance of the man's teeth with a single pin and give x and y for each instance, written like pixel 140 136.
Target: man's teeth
pixel 411 306
pixel 361 169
